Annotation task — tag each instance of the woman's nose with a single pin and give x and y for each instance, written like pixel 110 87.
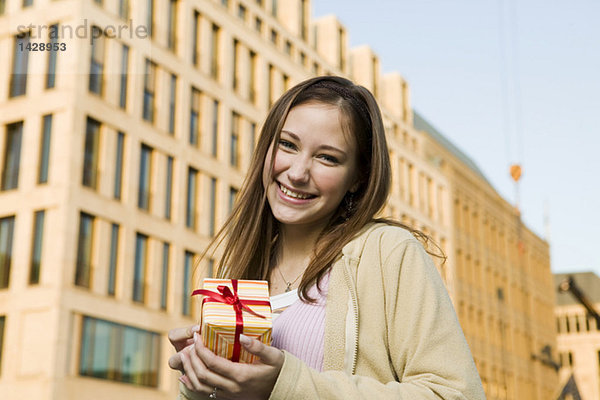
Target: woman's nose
pixel 299 170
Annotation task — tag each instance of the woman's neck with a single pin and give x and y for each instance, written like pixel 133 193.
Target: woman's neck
pixel 295 249
pixel 296 242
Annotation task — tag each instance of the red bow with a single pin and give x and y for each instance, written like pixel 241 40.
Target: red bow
pixel 232 298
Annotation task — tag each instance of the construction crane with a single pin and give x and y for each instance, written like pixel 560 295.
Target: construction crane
pixel 569 285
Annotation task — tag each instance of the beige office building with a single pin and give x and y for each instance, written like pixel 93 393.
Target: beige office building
pixel 121 153
pixel 579 334
pixel 502 283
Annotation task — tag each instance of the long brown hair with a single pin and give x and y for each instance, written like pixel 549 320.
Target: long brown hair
pixel 250 234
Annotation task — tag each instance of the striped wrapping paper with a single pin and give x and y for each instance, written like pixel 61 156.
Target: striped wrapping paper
pixel 218 320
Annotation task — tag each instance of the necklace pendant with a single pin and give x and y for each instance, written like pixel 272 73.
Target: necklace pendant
pixel 288 287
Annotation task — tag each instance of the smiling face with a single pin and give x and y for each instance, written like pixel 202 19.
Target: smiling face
pixel 315 166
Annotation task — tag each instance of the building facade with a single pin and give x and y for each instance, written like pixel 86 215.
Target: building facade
pixel 503 290
pixel 123 143
pixel 579 334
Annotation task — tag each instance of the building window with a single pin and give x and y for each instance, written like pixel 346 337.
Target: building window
pixel 258 24
pixel 274 8
pixel 172 29
pixel 112 260
pixel 568 325
pixel 119 165
pixel 232 196
pixel 195 117
pixel 2 7
pixel 270 84
pixel 145 178
pixel 375 83
pixel 587 322
pixel 90 154
pixel 150 17
pixel 570 357
pixel 119 353
pixel 44 159
pixel 212 207
pixel 288 47
pixel 303 20
pixel 53 40
pixel 124 9
pixel 274 36
pixel 139 268
pixel 242 12
pixel 12 156
pixel 169 189
pixel 172 103
pixel 36 247
pixel 214 52
pixel 234 159
pixel 165 276
pixel 195 38
pixel 18 78
pixel 252 76
pixel 188 264
pixel 124 67
pixel 149 87
pixel 252 137
pixel 236 78
pixel 84 250
pixel 2 317
pixel 7 225
pixel 341 49
pixel 215 128
pixel 96 61
pixel 190 209
pixel 286 82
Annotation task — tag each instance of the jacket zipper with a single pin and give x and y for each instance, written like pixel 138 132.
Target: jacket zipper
pixel 352 289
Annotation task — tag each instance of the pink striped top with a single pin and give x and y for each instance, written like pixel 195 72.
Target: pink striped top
pixel 300 328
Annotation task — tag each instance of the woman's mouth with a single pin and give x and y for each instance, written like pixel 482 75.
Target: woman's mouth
pixel 293 194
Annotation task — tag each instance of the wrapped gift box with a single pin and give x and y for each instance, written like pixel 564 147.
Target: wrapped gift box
pixel 223 317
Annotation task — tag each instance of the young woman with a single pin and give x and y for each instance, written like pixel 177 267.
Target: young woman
pixel 371 318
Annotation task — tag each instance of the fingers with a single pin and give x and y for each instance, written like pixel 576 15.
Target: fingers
pixel 268 355
pixel 219 365
pixel 175 362
pixel 179 335
pixel 200 376
pixel 191 380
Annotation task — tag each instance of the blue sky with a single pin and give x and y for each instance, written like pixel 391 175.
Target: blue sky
pixel 506 81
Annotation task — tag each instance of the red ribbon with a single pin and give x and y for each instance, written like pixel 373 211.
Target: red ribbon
pixel 232 298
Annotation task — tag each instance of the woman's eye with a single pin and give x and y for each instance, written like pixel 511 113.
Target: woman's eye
pixel 286 144
pixel 330 159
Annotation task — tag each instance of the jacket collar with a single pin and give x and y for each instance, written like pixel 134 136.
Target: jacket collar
pixel 354 248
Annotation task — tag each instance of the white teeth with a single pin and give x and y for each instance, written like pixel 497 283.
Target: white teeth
pixel 293 194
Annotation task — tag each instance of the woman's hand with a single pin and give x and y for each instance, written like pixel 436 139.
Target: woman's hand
pixel 204 371
pixel 180 338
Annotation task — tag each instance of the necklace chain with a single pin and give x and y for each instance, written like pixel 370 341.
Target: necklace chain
pixel 289 284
